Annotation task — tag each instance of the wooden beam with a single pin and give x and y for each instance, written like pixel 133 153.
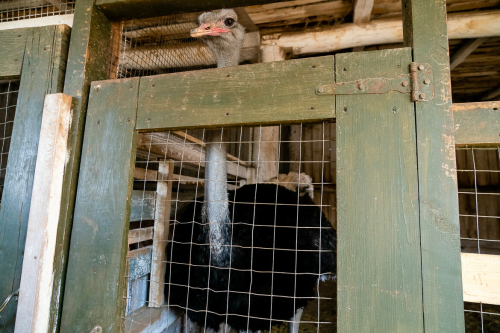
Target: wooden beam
pixel 95 283
pixel 491 95
pixel 272 93
pixel 481 278
pixel 38 22
pixel 35 293
pixel 378 256
pixel 362 11
pixel 477 123
pixel 425 30
pixel 143 205
pixel 171 147
pixel 470 25
pixel 118 10
pixel 463 52
pixel 12 53
pixel 161 233
pixel 140 235
pixel 43 66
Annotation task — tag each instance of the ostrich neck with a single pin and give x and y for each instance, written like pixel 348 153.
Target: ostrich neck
pixel 216 210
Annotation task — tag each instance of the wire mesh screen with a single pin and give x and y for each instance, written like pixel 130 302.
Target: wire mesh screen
pixel 479 207
pixel 8 100
pixel 224 238
pixel 164 45
pixel 13 10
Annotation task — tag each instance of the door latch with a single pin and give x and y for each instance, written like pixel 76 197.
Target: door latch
pixel 418 84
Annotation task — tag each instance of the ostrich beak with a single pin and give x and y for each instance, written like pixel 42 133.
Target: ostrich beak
pixel 208 30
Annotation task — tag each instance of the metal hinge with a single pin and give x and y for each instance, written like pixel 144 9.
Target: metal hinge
pixel 418 83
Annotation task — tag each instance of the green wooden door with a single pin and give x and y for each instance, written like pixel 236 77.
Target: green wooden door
pixel 36 56
pixel 379 252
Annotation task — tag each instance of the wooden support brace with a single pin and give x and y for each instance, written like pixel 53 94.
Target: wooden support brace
pixel 35 294
pixel 161 231
pixel 481 278
pixel 463 52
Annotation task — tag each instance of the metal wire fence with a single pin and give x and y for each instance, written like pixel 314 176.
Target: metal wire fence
pixel 479 207
pixel 163 45
pixel 279 252
pixel 8 100
pixel 14 10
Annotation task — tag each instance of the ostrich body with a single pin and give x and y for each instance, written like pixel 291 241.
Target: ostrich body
pixel 232 250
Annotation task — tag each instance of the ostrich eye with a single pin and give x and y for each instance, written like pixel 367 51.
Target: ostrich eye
pixel 229 22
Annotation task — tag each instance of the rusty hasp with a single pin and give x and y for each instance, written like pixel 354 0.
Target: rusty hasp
pixel 417 83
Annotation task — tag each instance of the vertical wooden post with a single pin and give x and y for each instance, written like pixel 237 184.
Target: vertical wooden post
pixel 95 279
pixel 35 294
pixel 379 277
pixel 161 231
pixel 424 24
pixel 43 69
pixel 266 146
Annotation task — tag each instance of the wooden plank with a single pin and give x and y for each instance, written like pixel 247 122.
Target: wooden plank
pixel 153 320
pixel 425 30
pixel 42 73
pixel 379 277
pixel 118 10
pixel 161 227
pixel 143 174
pixel 463 52
pixel 43 21
pixel 140 235
pixel 477 123
pixel 95 282
pixel 388 31
pixel 481 278
pixel 12 52
pixel 491 95
pixel 253 94
pixel 36 288
pixel 139 262
pixel 88 52
pixel 143 205
pixel 362 11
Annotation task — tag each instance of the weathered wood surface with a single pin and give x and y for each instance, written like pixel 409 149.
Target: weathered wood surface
pixel 481 278
pixel 362 11
pixel 465 50
pixel 12 51
pixel 379 277
pixel 153 320
pixel 388 31
pixel 140 235
pixel 252 94
pixel 95 279
pixel 477 123
pixel 42 73
pixel 425 30
pixel 161 233
pixel 139 262
pixel 129 9
pixel 88 52
pixel 143 205
pixel 36 289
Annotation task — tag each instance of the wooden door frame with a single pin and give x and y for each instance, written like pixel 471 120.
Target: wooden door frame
pixel 36 56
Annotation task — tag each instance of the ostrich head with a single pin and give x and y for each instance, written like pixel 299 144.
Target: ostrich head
pixel 223 34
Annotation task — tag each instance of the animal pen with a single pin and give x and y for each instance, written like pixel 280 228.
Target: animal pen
pixel 327 183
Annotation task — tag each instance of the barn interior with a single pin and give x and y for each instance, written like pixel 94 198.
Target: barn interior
pixel 170 169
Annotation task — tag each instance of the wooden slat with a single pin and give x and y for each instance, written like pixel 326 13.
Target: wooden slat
pixel 140 235
pixel 118 10
pixel 143 174
pixel 362 11
pixel 37 279
pixel 88 52
pixel 379 277
pixel 42 73
pixel 12 51
pixel 252 94
pixel 481 278
pixel 139 262
pixel 463 52
pixel 143 206
pixel 151 320
pixel 477 123
pixel 425 30
pixel 95 281
pixel 161 227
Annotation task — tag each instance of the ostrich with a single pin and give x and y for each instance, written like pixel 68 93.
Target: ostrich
pixel 248 258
